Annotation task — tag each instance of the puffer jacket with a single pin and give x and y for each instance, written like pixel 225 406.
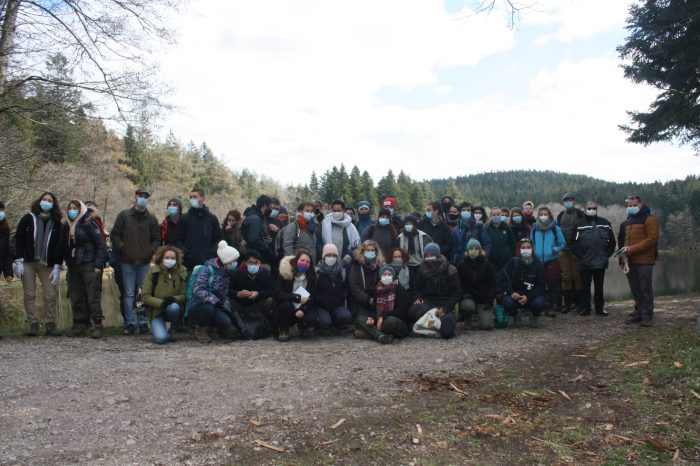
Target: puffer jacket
pixel 547 244
pixel 478 279
pixel 218 292
pixel 170 283
pixel 594 243
pixel 198 234
pixel 88 246
pixel 285 282
pixel 463 232
pixel 641 234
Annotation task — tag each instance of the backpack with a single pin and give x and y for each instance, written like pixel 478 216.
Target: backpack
pixel 189 294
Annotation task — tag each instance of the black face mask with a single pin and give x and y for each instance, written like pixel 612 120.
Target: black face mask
pixel 453 217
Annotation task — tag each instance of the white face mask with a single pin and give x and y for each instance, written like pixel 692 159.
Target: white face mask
pixel 169 263
pixel 338 215
pixel 544 218
pixel 387 279
pixel 330 260
pixel 526 252
pixel 591 212
pixel 477 217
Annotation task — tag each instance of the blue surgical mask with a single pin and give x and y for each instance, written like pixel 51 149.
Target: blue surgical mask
pixel 309 216
pixel 141 201
pixel 384 221
pixel 253 269
pixel 517 219
pixel 46 206
pixel 173 211
pixel 233 265
pixel 194 203
pixel 569 204
pixel 169 263
pixel 633 210
pixel 274 213
pixel 466 215
pixel 370 255
pixel 408 228
pixel 73 214
pixel 429 214
pixel 477 217
pixel 496 219
pixel 2 216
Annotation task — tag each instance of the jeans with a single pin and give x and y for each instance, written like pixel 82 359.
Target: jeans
pixel 133 275
pixel 208 315
pixel 536 306
pixel 338 318
pixel 158 330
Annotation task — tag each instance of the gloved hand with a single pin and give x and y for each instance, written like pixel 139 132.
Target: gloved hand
pixel 55 275
pixel 18 267
pixel 167 302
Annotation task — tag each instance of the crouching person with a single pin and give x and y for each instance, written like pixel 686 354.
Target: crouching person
pixel 477 277
pixel 522 285
pixel 295 292
pixel 163 292
pixel 251 294
pixel 362 281
pixel 210 306
pixel 332 292
pixel 390 318
pixel 437 287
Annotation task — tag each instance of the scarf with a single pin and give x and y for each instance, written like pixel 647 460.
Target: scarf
pixel 412 239
pixel 386 297
pixel 433 270
pixel 72 224
pixel 299 280
pixel 43 227
pixel 544 226
pixel 345 223
pixel 332 271
pixel 305 225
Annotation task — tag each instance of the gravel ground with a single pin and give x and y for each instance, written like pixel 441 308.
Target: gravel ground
pixel 124 400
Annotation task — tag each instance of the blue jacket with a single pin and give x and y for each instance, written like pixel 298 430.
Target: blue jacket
pixel 463 232
pixel 547 244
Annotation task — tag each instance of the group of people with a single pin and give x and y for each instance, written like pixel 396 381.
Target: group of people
pixel 266 271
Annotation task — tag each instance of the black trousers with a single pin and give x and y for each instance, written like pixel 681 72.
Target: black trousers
pixel 597 276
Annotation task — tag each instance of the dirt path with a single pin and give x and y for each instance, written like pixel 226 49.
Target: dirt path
pixel 123 400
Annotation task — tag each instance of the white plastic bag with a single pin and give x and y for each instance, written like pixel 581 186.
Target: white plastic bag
pixel 428 325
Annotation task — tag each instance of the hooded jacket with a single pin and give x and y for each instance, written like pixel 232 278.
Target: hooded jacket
pixel 217 294
pixel 171 283
pixel 88 246
pixel 463 232
pixel 547 244
pixel 198 234
pixel 641 234
pixel 331 291
pixel 255 234
pixel 478 279
pixel 439 233
pixel 594 243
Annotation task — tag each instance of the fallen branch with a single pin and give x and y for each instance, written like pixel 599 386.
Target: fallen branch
pixel 269 447
pixel 635 364
pixel 563 393
pixel 454 387
pixel 338 424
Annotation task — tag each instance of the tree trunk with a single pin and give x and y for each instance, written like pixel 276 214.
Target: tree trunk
pixel 7 33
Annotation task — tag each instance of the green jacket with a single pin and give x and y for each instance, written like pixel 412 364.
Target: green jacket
pixel 170 283
pixel 502 245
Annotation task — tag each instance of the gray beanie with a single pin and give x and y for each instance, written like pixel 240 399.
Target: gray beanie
pixel 473 243
pixel 432 248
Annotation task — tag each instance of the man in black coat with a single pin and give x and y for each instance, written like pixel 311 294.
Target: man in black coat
pixel 198 231
pixel 433 224
pixel 254 228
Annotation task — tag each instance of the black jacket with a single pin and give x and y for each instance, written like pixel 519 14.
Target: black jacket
pixel 444 291
pixel 88 247
pixel 255 234
pixel 331 292
pixel 283 292
pixel 440 234
pixel 241 280
pixel 594 243
pixel 198 234
pixel 404 300
pixel 5 255
pixel 24 240
pixel 478 279
pixel 521 277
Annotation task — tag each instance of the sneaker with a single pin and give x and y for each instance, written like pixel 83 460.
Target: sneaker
pixel 361 335
pixel 202 335
pixel 77 330
pixel 602 312
pixel 33 330
pixel 52 331
pixel 95 331
pixel 534 321
pixel 283 335
pixel 385 339
pixel 143 329
pixel 130 329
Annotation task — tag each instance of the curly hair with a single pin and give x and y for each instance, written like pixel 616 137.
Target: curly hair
pixel 160 252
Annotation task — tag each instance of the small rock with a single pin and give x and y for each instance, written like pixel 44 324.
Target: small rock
pixel 130 441
pixel 415 441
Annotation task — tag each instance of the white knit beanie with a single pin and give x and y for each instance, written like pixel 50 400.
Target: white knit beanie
pixel 226 253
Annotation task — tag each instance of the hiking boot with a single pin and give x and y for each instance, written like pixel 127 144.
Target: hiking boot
pixel 77 330
pixel 385 339
pixel 645 322
pixel 634 320
pixel 283 335
pixel 584 312
pixel 517 320
pixel 33 330
pixel 601 312
pixel 95 331
pixel 130 329
pixel 143 329
pixel 534 321
pixel 361 335
pixel 52 331
pixel 202 335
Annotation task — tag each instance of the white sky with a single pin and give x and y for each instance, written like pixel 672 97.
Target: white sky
pixel 284 87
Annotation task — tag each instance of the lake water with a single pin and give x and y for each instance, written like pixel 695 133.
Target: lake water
pixel 673 274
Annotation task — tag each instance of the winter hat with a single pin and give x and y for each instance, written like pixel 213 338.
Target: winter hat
pixel 568 196
pixel 387 268
pixel 363 203
pixel 283 210
pixel 389 200
pixel 410 218
pixel 432 248
pixel 529 204
pixel 386 212
pixel 177 201
pixel 226 253
pixel 329 249
pixel 473 243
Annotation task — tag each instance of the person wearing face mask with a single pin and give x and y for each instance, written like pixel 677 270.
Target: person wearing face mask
pixel 136 236
pixel 295 294
pixel 85 253
pixel 38 254
pixel 437 287
pixel 198 231
pixel 435 227
pixel 337 228
pixel 164 293
pixel 331 292
pixel 469 227
pixel 383 232
pixel 273 227
pixel 363 277
pixel 390 204
pixel 231 229
pixel 445 204
pixel 502 239
pixel 364 219
pixel 571 285
pixel 593 245
pixel 529 216
pixel 638 240
pixel 452 218
pixel 389 317
pixel 301 234
pixel 350 211
pixel 413 241
pixel 547 243
pixel 5 251
pixel 254 228
pixel 521 284
pixel 521 228
pixel 210 307
pixel 477 278
pixel 282 219
pixel 168 227
pixel 399 261
pixel 251 291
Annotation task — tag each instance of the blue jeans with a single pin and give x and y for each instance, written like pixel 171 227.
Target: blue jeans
pixel 133 276
pixel 339 318
pixel 158 330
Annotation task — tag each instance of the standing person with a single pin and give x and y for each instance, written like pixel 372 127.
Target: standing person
pixel 273 227
pixel 413 241
pixel 593 246
pixel 85 254
pixel 452 219
pixel 522 284
pixel 437 287
pixel 547 241
pixel 164 291
pixel 502 239
pixel 521 229
pixel 469 227
pixel 232 230
pixel 318 210
pixel 295 294
pixel 384 232
pixel 337 228
pixel 282 219
pixel 638 239
pixel 136 236
pixel 390 204
pixel 168 228
pixel 571 285
pixel 433 224
pixel 198 231
pixel 5 252
pixel 38 254
pixel 364 219
pixel 331 292
pixel 302 234
pixel 446 204
pixel 529 216
pixel 477 278
pixel 351 212
pixel 251 291
pixel 254 228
